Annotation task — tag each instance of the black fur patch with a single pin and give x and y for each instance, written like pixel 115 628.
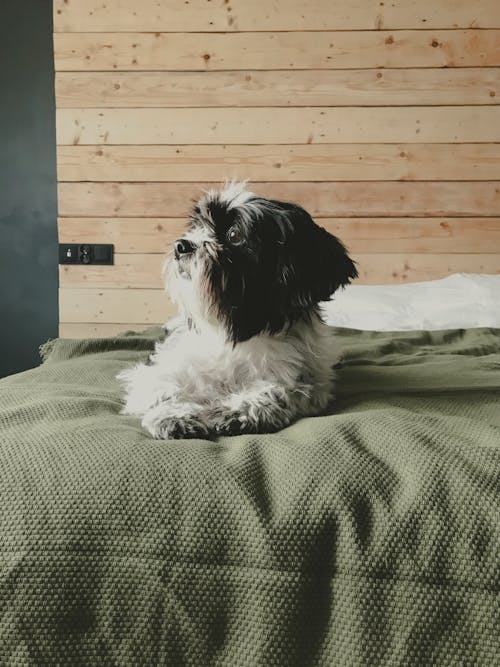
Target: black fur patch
pixel 282 265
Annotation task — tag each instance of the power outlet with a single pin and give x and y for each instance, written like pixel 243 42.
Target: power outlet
pixel 86 253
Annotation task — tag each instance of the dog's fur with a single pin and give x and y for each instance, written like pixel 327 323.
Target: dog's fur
pixel 250 352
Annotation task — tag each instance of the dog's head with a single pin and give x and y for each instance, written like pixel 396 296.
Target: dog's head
pixel 250 264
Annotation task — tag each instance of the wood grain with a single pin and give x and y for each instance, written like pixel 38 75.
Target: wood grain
pixel 310 162
pixel 128 235
pixel 144 271
pixel 276 50
pixel 279 125
pixel 97 329
pixel 150 306
pixel 362 87
pixel 344 199
pixel 375 269
pixel 241 15
pixel 129 271
pixel 380 118
pixel 363 235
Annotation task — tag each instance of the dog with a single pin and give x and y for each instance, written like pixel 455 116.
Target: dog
pixel 249 352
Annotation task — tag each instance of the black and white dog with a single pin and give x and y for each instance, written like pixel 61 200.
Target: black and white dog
pixel 250 352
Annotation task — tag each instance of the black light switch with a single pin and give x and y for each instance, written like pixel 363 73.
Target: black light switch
pixel 86 253
pixel 68 253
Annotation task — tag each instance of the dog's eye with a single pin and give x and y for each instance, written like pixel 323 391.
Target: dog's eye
pixel 235 236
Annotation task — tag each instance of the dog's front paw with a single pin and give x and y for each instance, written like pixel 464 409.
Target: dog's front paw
pixel 225 421
pixel 231 422
pixel 169 427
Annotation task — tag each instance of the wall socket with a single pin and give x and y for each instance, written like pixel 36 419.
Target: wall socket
pixel 86 253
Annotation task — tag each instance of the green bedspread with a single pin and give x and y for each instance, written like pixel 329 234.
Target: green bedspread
pixel 368 537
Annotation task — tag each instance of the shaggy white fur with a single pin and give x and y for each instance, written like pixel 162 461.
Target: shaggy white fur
pixel 200 384
pixel 213 374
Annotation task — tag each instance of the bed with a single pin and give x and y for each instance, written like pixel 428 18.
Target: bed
pixel 368 536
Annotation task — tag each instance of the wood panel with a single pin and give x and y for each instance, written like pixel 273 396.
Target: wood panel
pixel 310 162
pixel 241 15
pixel 144 271
pixel 129 271
pixel 128 235
pixel 286 50
pixel 362 235
pixel 349 199
pixel 381 269
pixel 248 88
pixel 98 329
pixel 279 125
pixel 149 306
pixel 380 118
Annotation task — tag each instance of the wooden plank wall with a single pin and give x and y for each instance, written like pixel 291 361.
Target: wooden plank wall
pixel 380 117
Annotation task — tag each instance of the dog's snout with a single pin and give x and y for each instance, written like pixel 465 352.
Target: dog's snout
pixel 183 247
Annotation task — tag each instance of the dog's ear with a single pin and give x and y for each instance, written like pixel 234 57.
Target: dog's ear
pixel 330 266
pixel 313 263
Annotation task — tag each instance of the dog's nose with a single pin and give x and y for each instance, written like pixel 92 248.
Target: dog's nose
pixel 183 247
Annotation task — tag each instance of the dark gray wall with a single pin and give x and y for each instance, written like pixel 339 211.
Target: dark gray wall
pixel 28 228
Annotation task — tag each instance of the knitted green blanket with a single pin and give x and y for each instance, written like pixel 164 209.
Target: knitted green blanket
pixel 368 537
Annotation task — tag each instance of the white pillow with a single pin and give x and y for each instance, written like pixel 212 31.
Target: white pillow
pixel 458 301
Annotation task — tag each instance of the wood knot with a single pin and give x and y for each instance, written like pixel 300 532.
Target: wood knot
pixel 206 56
pixel 434 43
pixel 389 40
